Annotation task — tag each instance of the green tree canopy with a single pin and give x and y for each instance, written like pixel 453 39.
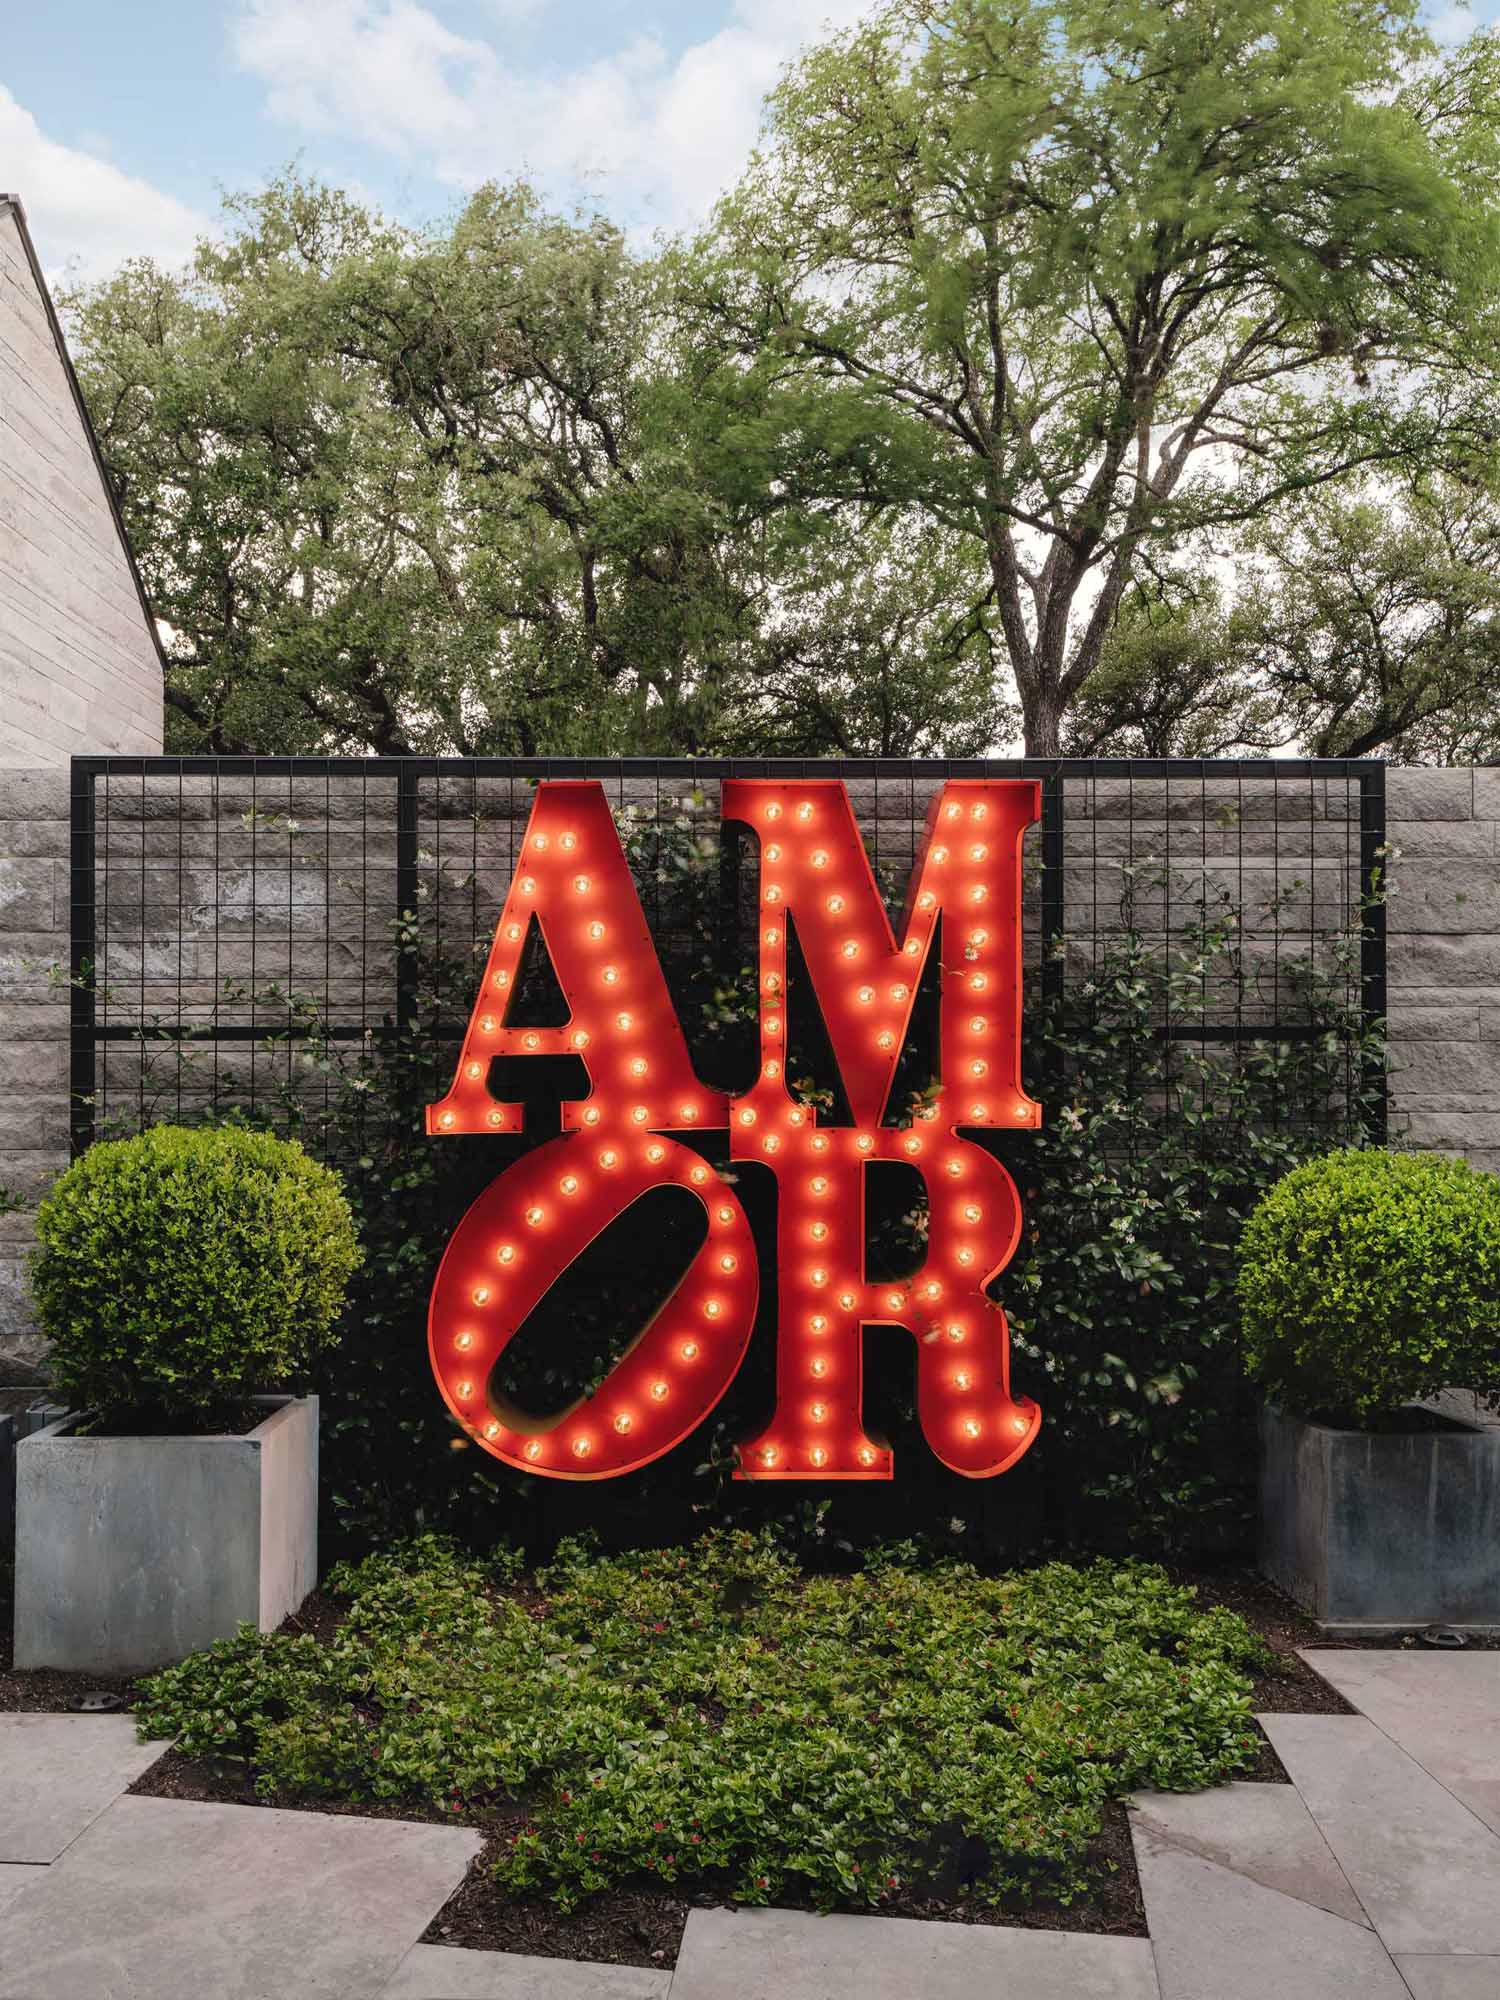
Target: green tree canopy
pixel 1086 279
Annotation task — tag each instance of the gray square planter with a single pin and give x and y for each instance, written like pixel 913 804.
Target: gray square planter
pixel 135 1551
pixel 1378 1534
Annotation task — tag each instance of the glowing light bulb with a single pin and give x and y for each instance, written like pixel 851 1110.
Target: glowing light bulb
pixel 866 1455
pixel 951 812
pixel 569 1184
pixel 492 1429
pixel 773 853
pixel 979 937
pixel 819 1184
pixel 819 1323
pixel 773 810
pixel 660 1389
pixel 481 1295
pixel 940 854
pixel 656 1154
pixel 581 1447
pixel 725 1214
pixel 495 1117
pixel 540 843
pixel 532 1041
pixel 773 935
pixel 953 1167
pixel 926 900
pixel 768 1455
pixel 535 1217
pixel 773 892
pixel 820 857
pixel 978 981
pixel 622 1422
pixel 866 995
pixel 978 812
pixel 849 948
pixel 972 1211
pixel 729 1262
pixel 820 1142
pixel 911 1143
pixel 581 884
pixel 954 1331
pixel 977 1024
pixel 846 1300
pixel 796 1116
pixel 446 1119
pixel 473 1069
pixel 885 1040
pixel 818 1231
pixel 971 1427
pixel 591 1114
pixel 506 1254
pixel 895 1301
pixel 804 810
pixel 690 1350
pixel 771 1144
pixel 835 904
pixel 512 931
pixel 687 1112
pixel 581 1039
pixel 569 841
pixel 596 930
pixel 978 893
pixel 624 1021
pixel 978 853
pixel 464 1391
pixel 500 981
pixel 773 1025
pixel 698 1174
pixel 487 1024
pixel 818 1276
pixel 747 1116
pixel 610 975
pixel 1019 1425
pixel 932 1289
pixel 819 1365
pixel 464 1340
pixel 864 1142
pixel 639 1114
pixel 818 1412
pixel 978 1067
pixel 608 1157
pixel 899 992
pixel 961 1378
pixel 819 1455
pixel 912 947
pixel 772 1068
pixel 528 885
pixel 532 1448
pixel 979 1112
pixel 639 1066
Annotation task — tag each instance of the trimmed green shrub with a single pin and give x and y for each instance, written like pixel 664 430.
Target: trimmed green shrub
pixel 182 1270
pixel 1370 1279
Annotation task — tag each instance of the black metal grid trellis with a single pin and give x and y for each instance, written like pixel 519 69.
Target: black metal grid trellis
pixel 226 912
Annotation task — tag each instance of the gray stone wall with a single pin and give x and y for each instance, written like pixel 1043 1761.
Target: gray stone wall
pixel 176 865
pixel 79 666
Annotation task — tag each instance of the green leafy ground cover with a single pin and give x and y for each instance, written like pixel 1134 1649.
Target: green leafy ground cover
pixel 716 1712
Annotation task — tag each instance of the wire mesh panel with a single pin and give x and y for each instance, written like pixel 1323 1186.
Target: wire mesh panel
pixel 251 935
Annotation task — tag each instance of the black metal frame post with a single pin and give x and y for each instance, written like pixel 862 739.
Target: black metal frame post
pixel 82 954
pixel 1373 994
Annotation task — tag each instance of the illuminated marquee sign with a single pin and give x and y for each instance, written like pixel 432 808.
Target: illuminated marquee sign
pixel 534 1219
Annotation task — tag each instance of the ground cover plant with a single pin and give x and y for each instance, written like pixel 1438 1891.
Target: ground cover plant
pixel 716 1712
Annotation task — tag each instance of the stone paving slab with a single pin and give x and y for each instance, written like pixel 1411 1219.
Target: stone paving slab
pixel 445 1972
pixel 1262 1832
pixel 14 1877
pixel 1451 1978
pixel 178 1900
pixel 791 1955
pixel 1442 1708
pixel 58 1773
pixel 1221 1931
pixel 1426 1870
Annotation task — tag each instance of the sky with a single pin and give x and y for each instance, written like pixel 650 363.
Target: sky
pixel 123 121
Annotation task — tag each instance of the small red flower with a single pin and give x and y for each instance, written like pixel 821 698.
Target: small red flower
pixel 697 1839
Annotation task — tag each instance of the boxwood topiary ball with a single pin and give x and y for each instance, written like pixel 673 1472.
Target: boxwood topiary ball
pixel 187 1268
pixel 1371 1279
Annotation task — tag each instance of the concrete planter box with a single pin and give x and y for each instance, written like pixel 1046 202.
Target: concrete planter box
pixel 135 1551
pixel 1379 1534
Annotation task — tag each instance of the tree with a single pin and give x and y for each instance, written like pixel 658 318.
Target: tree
pixel 1086 279
pixel 1373 623
pixel 469 491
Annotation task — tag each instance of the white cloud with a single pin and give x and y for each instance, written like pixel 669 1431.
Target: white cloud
pixel 85 214
pixel 663 134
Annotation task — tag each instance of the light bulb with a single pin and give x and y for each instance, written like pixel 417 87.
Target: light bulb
pixel 911 1143
pixel 954 1331
pixel 1019 1425
pixel 932 1289
pixel 972 1211
pixel 978 1067
pixel 978 893
pixel 819 1323
pixel 539 842
pixel 569 841
pixel 532 1041
pixel 819 1413
pixel 581 1447
pixel 961 1378
pixel 492 1429
pixel 639 1113
pixel 506 1254
pixel 639 1066
pixel 623 1021
pixel 899 992
pixel 729 1263
pixel 978 853
pixel 818 1276
pixel 747 1116
pixel 773 936
pixel 698 1174
pixel 512 931
pixel 912 947
pixel 768 1455
pixel 655 1154
pixel 608 1157
pixel 819 1365
pixel 591 1114
pixel 820 857
pixel 622 1422
pixel 464 1340
pixel 481 1295
pixel 978 981
pixel 581 884
pixel 773 1025
pixel 940 854
pixel 819 1184
pixel 895 1301
pixel 496 1117
pixel 659 1389
pixel 535 1217
pixel 725 1214
pixel 773 892
pixel 581 1039
pixel 772 1068
pixel 864 1142
pixel 610 974
pixel 804 810
pixel 866 1456
pixel 953 1167
pixel 978 812
pixel 500 981
pixel 849 948
pixel 690 1350
pixel 487 1024
pixel 773 810
pixel 820 1142
pixel 596 930
pixel 866 995
pixel 835 904
pixel 885 1040
pixel 533 1448
pixel 569 1184
pixel 979 937
pixel 926 900
pixel 819 1455
pixel 473 1069
pixel 465 1390
pixel 951 812
pixel 971 1427
pixel 773 853
pixel 771 1143
pixel 528 885
pixel 447 1118
pixel 846 1300
pixel 688 1112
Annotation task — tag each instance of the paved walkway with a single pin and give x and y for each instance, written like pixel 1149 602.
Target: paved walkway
pixel 1375 1875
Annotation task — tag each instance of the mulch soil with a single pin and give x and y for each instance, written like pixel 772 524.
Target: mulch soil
pixel 641 1922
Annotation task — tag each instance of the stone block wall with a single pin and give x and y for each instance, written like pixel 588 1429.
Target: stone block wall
pixel 1443 959
pixel 212 888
